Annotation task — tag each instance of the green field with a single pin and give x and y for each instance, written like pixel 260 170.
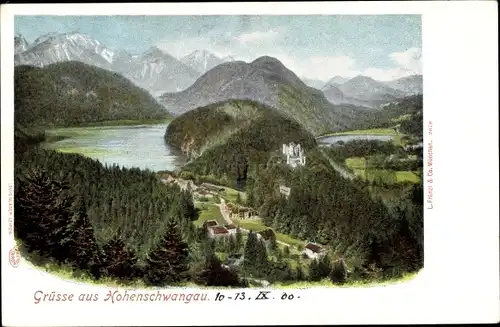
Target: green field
pixel 230 194
pixel 401 118
pixel 358 166
pixel 407 176
pixel 373 131
pixel 253 224
pixel 211 212
pixel 109 123
pixel 256 225
pixel 349 284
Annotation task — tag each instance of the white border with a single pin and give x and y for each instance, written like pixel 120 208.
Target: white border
pixel 460 281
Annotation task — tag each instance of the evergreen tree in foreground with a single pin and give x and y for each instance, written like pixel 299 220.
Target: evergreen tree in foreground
pixel 319 269
pixel 168 262
pixel 338 273
pixel 255 256
pixel 119 261
pixel 213 273
pixel 42 213
pixel 80 244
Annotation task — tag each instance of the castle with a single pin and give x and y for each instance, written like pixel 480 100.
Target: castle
pixel 294 154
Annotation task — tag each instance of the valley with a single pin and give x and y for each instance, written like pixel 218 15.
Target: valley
pixel 155 170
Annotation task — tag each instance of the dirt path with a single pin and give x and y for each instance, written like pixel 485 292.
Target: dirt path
pixel 223 212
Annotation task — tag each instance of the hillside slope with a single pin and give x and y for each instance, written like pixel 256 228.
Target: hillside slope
pixel 70 93
pixel 268 81
pixel 225 138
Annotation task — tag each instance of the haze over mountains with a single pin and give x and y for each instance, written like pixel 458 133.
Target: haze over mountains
pixel 268 81
pixel 201 78
pixel 154 70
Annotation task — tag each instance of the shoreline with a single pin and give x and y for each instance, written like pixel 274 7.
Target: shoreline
pixel 361 132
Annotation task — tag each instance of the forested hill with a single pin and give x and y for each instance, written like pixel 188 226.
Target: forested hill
pixel 223 139
pixel 267 81
pixel 70 93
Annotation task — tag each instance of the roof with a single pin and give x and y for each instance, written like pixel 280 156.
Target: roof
pixel 210 223
pixel 267 234
pixel 314 247
pixel 219 230
pixel 230 226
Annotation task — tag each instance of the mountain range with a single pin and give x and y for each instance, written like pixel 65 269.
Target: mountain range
pixel 203 60
pixel 268 81
pixel 368 92
pixel 201 78
pixel 154 70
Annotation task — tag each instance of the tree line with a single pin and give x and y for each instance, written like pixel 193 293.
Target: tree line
pixel 124 224
pixel 72 93
pixel 325 208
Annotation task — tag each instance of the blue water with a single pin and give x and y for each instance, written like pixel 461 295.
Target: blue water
pixel 139 146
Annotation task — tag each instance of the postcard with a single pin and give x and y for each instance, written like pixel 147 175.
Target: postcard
pixel 249 164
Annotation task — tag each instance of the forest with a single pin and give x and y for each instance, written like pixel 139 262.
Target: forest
pixel 125 224
pixel 255 131
pixel 72 93
pixel 326 208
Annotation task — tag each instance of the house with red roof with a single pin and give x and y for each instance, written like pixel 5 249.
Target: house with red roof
pixel 210 223
pixel 217 231
pixel 314 251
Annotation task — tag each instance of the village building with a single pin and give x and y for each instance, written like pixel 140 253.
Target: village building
pixel 294 154
pixel 238 212
pixel 210 223
pixel 217 231
pixel 314 251
pixel 231 228
pixel 285 191
pixel 246 213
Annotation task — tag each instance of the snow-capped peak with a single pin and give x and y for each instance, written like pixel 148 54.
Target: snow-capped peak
pixel 201 60
pixel 228 59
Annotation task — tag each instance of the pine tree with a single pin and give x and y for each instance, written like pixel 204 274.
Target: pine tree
pixel 314 271
pixel 319 269
pixel 286 251
pixel 168 262
pixel 299 273
pixel 250 254
pixel 338 274
pixel 119 261
pixel 239 238
pixel 213 273
pixel 261 263
pixel 82 249
pixel 42 213
pixel 324 266
pixel 232 246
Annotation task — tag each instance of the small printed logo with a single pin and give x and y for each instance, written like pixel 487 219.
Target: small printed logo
pixel 14 257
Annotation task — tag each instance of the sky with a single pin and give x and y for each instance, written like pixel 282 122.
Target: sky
pixel 384 47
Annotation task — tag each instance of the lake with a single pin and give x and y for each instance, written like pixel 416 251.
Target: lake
pixel 139 146
pixel 334 139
